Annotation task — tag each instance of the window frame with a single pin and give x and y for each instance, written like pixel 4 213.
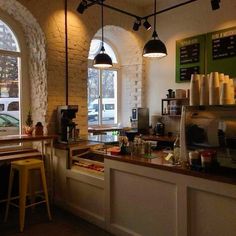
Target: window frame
pixel 24 82
pixel 115 67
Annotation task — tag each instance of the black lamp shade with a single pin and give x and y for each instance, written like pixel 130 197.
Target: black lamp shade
pixel 82 6
pixel 102 60
pixel 215 4
pixel 154 48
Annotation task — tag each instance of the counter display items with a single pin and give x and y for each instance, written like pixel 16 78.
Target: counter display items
pixel 210 132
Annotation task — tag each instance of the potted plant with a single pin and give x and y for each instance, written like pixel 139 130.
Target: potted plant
pixel 28 128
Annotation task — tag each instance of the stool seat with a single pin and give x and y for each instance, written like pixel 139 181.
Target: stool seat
pixel 27 163
pixel 23 167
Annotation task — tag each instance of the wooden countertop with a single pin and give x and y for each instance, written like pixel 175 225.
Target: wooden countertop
pixel 164 138
pixel 89 140
pixel 24 138
pixel 103 129
pixel 225 175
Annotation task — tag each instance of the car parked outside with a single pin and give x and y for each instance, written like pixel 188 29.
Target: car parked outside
pixel 10 106
pixel 92 114
pixel 9 125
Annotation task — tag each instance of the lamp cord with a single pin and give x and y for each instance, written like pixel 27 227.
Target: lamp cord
pixel 66 55
pixel 102 49
pixel 155 5
pixel 154 35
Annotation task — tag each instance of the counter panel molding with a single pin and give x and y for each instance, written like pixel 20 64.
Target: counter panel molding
pixel 137 203
pixel 150 201
pixel 210 213
pixel 138 196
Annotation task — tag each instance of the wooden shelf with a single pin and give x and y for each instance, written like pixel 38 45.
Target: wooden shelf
pixel 167 104
pixel 173 99
pixel 171 115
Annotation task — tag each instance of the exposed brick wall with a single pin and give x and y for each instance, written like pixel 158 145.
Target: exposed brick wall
pixel 37 56
pixel 47 53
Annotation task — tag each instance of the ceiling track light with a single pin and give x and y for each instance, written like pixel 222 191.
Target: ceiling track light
pixel 82 6
pixel 215 4
pixel 102 60
pixel 154 48
pixel 147 25
pixel 137 24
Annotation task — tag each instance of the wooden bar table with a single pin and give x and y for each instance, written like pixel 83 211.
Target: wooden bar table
pixel 19 139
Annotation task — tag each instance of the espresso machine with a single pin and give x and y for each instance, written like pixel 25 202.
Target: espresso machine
pixel 66 126
pixel 140 120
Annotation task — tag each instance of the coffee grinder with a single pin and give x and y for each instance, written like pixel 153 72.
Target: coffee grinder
pixel 66 126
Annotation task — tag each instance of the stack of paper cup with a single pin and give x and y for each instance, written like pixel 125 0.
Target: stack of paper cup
pixel 231 85
pixel 194 90
pixel 204 90
pixel 226 79
pixel 222 79
pixel 214 88
pixel 225 94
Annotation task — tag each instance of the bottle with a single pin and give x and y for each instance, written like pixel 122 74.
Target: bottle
pixel 177 150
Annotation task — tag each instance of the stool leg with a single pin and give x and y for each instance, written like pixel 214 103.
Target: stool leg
pixel 23 179
pixel 11 178
pixel 31 187
pixel 45 190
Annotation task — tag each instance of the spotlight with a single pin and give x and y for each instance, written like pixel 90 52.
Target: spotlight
pixel 215 4
pixel 136 25
pixel 82 6
pixel 147 25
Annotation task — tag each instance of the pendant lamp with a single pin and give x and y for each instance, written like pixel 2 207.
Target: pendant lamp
pixel 154 47
pixel 102 60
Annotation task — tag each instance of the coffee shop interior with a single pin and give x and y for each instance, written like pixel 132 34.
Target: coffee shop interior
pixel 118 117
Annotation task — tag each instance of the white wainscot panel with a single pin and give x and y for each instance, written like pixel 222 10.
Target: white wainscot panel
pixel 87 199
pixel 211 214
pixel 142 205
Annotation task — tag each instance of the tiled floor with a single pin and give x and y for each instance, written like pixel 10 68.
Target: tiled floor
pixel 37 224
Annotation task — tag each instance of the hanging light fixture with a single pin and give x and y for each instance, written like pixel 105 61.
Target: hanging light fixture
pixel 154 47
pixel 102 60
pixel 137 24
pixel 215 4
pixel 147 25
pixel 82 6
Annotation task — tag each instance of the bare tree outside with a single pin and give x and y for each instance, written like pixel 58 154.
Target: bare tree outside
pixel 8 64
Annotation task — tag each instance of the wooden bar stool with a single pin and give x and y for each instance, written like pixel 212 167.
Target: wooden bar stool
pixel 24 167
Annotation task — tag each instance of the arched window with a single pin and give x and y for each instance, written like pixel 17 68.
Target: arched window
pixel 102 88
pixel 10 70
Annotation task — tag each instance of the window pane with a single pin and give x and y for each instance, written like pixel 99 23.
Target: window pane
pixel 8 125
pixel 93 94
pixel 9 76
pixel 102 102
pixel 13 106
pixel 109 97
pixel 7 38
pixel 9 94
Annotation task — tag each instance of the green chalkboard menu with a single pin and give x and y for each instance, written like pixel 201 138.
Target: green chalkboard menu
pixel 215 51
pixel 190 57
pixel 221 51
